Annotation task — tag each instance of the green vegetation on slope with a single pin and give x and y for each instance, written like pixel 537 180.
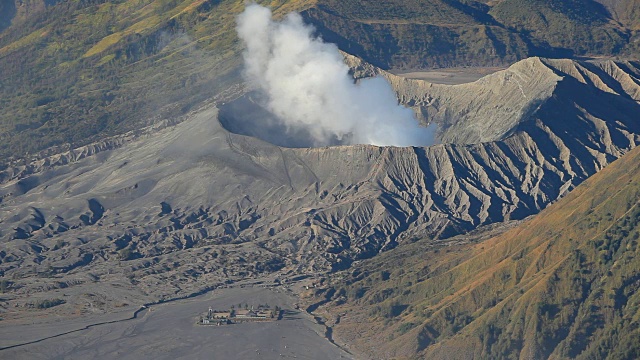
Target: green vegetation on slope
pixel 72 72
pixel 562 285
pixel 432 12
pixel 80 70
pixel 577 27
pixel 391 44
pixel 7 13
pixel 434 33
pixel 625 12
pixel 414 34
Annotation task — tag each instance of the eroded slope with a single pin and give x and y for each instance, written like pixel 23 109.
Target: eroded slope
pixel 561 285
pixel 192 205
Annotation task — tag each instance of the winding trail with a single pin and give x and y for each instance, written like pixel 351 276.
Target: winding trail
pixel 87 327
pixel 321 331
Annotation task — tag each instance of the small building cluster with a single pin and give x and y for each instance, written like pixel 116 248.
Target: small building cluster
pixel 235 316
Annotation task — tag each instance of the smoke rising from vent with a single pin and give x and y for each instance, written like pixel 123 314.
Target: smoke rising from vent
pixel 306 85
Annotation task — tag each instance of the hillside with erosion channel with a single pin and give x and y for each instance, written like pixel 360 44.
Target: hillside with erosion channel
pixel 319 179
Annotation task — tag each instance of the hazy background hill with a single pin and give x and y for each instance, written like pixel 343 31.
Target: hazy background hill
pixel 419 34
pixel 75 71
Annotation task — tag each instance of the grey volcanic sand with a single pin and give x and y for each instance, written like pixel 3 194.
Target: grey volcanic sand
pixel 451 76
pixel 169 331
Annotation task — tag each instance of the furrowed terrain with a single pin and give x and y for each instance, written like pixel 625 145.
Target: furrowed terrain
pixel 561 285
pixel 137 167
pixel 185 208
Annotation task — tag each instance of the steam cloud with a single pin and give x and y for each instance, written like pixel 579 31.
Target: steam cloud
pixel 307 85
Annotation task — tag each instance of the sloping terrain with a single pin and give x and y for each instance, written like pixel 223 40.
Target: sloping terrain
pixel 625 12
pixel 183 208
pixel 564 284
pixel 7 13
pixel 74 72
pixel 110 198
pixel 418 34
pixel 426 34
pixel 576 27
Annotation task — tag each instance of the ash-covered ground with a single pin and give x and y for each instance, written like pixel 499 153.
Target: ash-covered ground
pixel 169 331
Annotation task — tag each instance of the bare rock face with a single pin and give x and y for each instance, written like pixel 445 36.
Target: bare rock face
pixel 194 201
pixel 491 108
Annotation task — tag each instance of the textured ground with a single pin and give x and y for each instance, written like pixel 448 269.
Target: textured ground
pixel 169 331
pixel 449 76
pixel 181 209
pixel 564 284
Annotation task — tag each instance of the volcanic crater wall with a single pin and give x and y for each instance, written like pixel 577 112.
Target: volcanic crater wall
pixel 247 116
pixel 196 186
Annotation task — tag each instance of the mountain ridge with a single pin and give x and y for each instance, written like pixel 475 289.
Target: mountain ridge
pixel 563 284
pixel 194 187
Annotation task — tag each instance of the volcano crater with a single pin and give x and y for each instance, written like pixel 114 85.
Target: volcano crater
pixel 247 115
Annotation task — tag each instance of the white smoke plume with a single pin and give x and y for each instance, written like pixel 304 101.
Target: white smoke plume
pixel 307 85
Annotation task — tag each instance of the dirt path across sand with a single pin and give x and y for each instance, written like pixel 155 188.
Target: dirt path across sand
pixel 169 331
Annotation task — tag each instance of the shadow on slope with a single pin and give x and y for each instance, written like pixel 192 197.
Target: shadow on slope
pixel 7 13
pixel 246 116
pixel 565 284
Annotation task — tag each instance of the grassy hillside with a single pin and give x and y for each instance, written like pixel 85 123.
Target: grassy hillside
pixel 414 34
pixel 7 13
pixel 576 27
pixel 562 285
pixel 434 33
pixel 416 44
pixel 626 12
pixel 74 71
pixel 433 12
